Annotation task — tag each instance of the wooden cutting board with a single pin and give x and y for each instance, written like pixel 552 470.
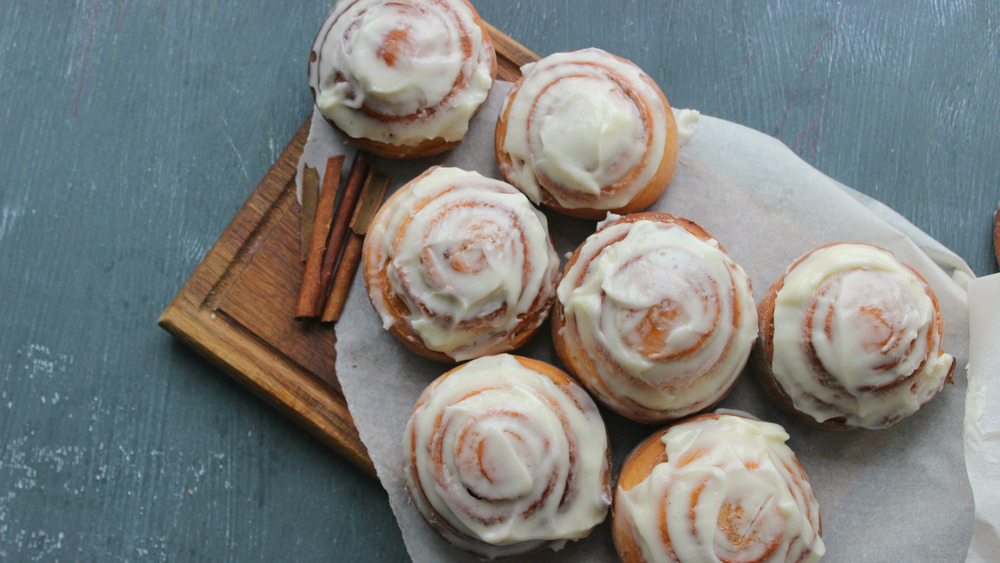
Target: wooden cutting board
pixel 237 308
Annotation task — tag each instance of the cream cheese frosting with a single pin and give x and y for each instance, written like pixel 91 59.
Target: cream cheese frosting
pixel 729 489
pixel 584 125
pixel 874 330
pixel 401 72
pixel 468 256
pixel 666 320
pixel 503 460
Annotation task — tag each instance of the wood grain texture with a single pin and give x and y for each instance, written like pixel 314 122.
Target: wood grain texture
pixel 238 307
pixel 238 310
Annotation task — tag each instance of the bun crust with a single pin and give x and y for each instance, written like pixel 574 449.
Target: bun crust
pixel 402 78
pixel 711 483
pixel 585 133
pixel 507 455
pixel 459 266
pixel 653 317
pixel 850 338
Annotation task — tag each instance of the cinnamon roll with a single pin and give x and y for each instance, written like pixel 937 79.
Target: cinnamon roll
pixel 587 132
pixel 654 317
pixel 716 487
pixel 460 266
pixel 402 78
pixel 850 337
pixel 506 455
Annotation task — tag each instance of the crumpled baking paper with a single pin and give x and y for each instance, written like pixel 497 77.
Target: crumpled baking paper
pixel 899 494
pixel 982 418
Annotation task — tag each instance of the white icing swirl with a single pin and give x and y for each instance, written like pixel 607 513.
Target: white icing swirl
pixel 663 320
pixel 401 72
pixel 465 261
pixel 857 337
pixel 730 489
pixel 503 460
pixel 586 129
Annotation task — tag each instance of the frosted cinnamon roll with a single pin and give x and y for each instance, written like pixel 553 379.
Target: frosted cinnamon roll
pixel 507 455
pixel 460 266
pixel 402 78
pixel 587 132
pixel 716 487
pixel 654 317
pixel 851 337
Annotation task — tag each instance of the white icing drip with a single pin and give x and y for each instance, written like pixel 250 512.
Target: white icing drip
pixel 687 124
pixel 462 244
pixel 740 463
pixel 514 430
pixel 424 67
pixel 572 124
pixel 878 312
pixel 660 274
pixel 609 218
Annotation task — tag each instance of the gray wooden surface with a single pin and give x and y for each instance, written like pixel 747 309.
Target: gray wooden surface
pixel 131 132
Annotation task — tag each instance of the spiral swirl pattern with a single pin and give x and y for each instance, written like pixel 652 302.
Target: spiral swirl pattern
pixel 587 132
pixel 402 73
pixel 654 317
pixel 459 266
pixel 855 337
pixel 507 455
pixel 716 488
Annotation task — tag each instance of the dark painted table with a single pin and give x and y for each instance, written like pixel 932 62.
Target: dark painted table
pixel 132 132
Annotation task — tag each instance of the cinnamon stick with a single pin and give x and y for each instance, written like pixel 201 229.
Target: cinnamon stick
pixel 310 293
pixel 338 230
pixel 371 198
pixel 310 195
pixel 350 259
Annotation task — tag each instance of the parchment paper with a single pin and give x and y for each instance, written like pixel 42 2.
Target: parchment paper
pixel 982 418
pixel 900 494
